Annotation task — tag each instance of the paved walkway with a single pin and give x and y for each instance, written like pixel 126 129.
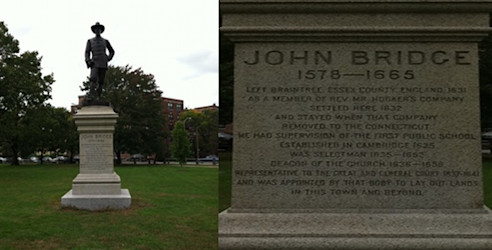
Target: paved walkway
pixel 173 163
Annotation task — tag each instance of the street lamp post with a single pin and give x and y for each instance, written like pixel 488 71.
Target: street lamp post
pixel 184 121
pixel 197 148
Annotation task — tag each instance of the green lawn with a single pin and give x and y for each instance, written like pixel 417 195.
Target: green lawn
pixel 172 208
pixel 225 168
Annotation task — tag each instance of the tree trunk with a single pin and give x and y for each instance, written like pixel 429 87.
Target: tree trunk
pixel 15 153
pixel 41 161
pixel 70 159
pixel 118 157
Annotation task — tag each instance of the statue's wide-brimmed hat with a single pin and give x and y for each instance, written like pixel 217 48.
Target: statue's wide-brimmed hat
pixel 97 26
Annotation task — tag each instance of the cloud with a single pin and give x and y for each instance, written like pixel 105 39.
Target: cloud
pixel 201 62
pixel 182 53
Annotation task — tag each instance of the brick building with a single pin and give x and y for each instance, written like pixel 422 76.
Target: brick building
pixel 172 108
pixel 75 107
pixel 211 107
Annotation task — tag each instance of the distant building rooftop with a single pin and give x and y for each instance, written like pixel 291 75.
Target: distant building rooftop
pixel 211 107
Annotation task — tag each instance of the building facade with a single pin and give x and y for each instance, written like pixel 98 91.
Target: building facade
pixel 211 107
pixel 172 108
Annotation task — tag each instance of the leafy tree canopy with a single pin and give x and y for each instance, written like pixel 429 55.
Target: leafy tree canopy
pixel 23 90
pixel 485 65
pixel 206 125
pixel 226 82
pixel 134 95
pixel 180 147
pixel 48 129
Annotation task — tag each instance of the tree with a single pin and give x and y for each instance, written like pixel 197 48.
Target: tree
pixel 72 138
pixel 485 59
pixel 48 129
pixel 23 90
pixel 180 146
pixel 205 127
pixel 226 81
pixel 209 132
pixel 135 97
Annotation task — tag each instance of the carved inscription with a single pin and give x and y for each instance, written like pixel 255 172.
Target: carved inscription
pixel 96 152
pixel 357 126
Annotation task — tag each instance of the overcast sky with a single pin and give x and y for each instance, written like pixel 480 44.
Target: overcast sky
pixel 176 41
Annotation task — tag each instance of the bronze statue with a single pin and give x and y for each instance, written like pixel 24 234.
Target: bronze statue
pixel 98 62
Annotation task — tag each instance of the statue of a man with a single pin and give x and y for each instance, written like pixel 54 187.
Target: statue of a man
pixel 98 62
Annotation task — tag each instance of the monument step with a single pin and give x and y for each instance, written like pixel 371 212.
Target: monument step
pixel 96 178
pixel 97 202
pixel 448 229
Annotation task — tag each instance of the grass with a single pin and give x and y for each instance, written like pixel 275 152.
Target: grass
pixel 172 208
pixel 225 175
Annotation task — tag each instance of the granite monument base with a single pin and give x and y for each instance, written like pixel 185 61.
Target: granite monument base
pixel 95 202
pixel 97 186
pixel 357 124
pixel 106 184
pixel 357 229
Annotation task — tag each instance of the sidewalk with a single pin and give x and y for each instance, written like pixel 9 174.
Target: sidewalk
pixel 189 164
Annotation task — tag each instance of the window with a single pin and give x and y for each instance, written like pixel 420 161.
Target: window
pixel 178 106
pixel 170 106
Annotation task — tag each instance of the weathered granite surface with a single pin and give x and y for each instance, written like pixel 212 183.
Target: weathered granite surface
pixel 362 114
pixel 97 186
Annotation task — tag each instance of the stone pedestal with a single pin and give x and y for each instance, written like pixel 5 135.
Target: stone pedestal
pixel 97 186
pixel 356 125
